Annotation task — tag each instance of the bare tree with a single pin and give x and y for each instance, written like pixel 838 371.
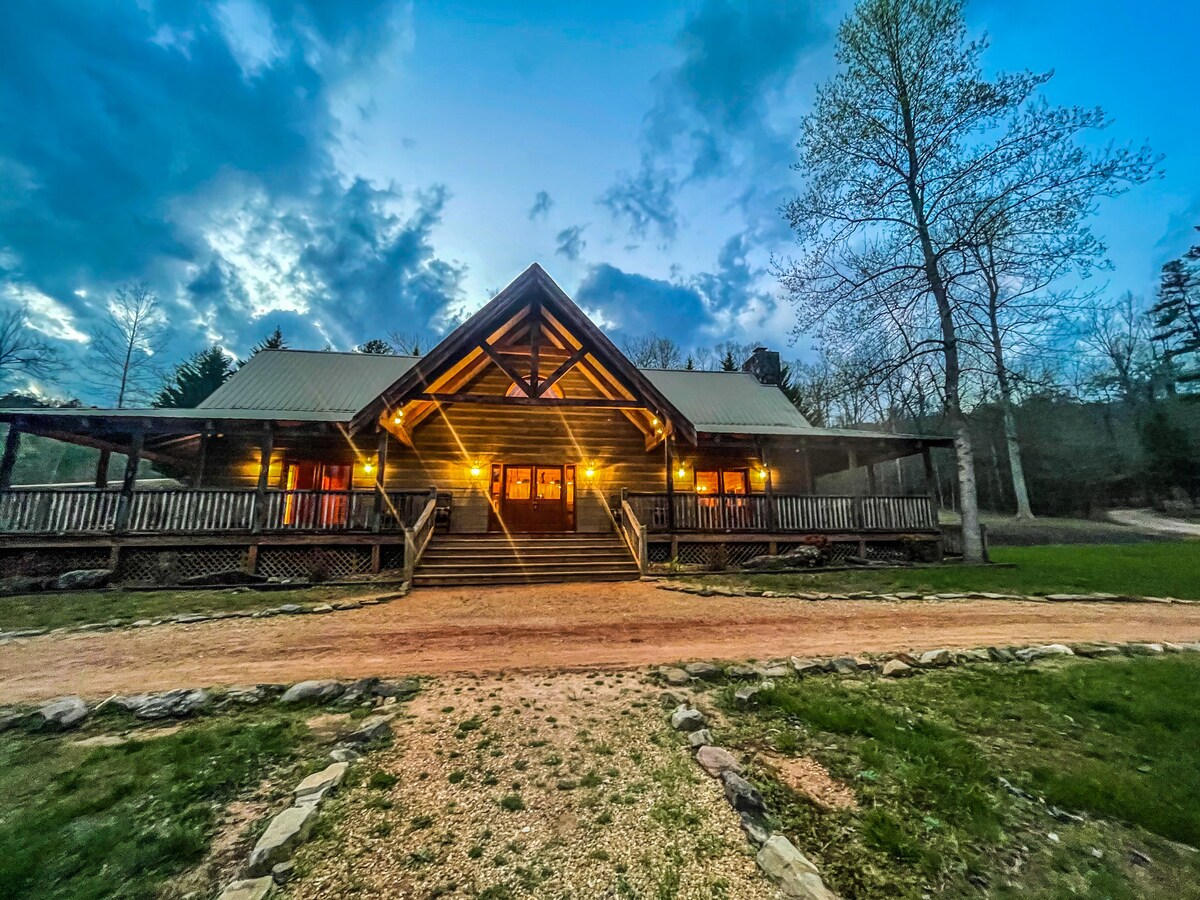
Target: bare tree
pixel 652 351
pixel 907 149
pixel 23 351
pixel 125 349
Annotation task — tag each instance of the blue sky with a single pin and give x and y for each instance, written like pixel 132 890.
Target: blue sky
pixel 345 170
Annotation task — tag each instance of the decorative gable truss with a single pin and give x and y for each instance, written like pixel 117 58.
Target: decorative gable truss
pixel 533 333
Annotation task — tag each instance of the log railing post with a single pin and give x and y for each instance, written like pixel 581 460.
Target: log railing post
pixel 381 454
pixel 266 448
pixel 12 446
pixel 129 479
pixel 670 485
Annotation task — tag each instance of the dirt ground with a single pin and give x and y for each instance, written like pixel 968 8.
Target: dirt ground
pixel 549 627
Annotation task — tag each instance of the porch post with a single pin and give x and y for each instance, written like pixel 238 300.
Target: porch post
pixel 12 446
pixel 670 485
pixel 102 468
pixel 381 452
pixel 129 479
pixel 806 470
pixel 772 516
pixel 872 481
pixel 202 457
pixel 266 448
pixel 927 463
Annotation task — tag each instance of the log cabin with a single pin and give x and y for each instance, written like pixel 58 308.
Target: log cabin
pixel 523 447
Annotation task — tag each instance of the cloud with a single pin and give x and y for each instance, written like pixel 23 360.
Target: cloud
pixel 542 202
pixel 716 113
pixel 644 201
pixel 571 242
pixel 191 145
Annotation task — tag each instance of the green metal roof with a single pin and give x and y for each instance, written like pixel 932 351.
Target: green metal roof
pixel 290 381
pixel 729 402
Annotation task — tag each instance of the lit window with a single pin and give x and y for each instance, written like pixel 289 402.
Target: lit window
pixel 708 482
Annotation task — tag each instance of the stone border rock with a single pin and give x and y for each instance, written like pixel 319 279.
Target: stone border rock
pixel 68 713
pixel 192 618
pixel 898 596
pixel 779 859
pixel 270 862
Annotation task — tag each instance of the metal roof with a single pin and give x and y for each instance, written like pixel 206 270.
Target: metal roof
pixel 729 402
pixel 279 381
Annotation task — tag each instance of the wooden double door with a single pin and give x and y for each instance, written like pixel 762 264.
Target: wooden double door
pixel 532 498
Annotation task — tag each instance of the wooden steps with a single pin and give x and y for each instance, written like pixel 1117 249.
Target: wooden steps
pixel 483 559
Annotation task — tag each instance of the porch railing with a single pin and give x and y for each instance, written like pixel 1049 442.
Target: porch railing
pixel 37 511
pixel 782 513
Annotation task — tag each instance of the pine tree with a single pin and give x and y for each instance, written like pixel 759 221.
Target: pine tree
pixel 195 379
pixel 728 363
pixel 274 341
pixel 377 346
pixel 1176 318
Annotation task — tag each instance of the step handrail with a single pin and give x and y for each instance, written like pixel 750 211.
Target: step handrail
pixel 417 538
pixel 636 542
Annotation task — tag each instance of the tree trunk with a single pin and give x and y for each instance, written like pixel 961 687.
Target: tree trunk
pixel 1017 467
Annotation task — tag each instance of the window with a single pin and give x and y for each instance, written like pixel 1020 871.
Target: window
pixel 549 484
pixel 516 482
pixel 722 481
pixel 517 391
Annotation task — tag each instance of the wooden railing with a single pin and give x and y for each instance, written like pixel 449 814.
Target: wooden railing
pixel 634 534
pixel 781 513
pixel 204 510
pixel 417 538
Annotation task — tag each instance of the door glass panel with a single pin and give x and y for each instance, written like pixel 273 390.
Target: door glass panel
pixel 734 481
pixel 516 482
pixel 708 482
pixel 570 479
pixel 549 484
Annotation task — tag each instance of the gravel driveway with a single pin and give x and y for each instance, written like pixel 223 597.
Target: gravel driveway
pixel 546 627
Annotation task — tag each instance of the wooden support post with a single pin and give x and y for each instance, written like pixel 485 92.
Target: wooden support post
pixel 252 559
pixel 769 484
pixel 201 457
pixel 376 558
pixel 852 463
pixel 872 481
pixel 806 469
pixel 12 446
pixel 670 485
pixel 102 468
pixel 129 479
pixel 927 462
pixel 266 448
pixel 381 455
pixel 114 557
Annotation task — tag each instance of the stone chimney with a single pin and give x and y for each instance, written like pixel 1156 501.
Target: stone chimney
pixel 764 365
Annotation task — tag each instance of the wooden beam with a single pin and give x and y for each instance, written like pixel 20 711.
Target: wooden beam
pixel 535 342
pixel 129 479
pixel 12 446
pixel 266 448
pixel 201 458
pixel 563 368
pixel 517 378
pixel 498 400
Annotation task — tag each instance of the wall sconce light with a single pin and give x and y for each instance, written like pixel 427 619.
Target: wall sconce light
pixel 682 473
pixel 476 470
pixel 589 472
pixel 398 418
pixel 368 467
pixel 762 474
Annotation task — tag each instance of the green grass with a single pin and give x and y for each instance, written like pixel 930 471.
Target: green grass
pixel 1116 740
pixel 101 822
pixel 1151 569
pixel 57 610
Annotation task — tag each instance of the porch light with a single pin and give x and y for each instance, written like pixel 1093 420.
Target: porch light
pixel 368 467
pixel 682 473
pixel 476 470
pixel 589 472
pixel 762 474
pixel 398 417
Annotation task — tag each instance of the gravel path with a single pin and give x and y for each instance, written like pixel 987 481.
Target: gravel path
pixel 1149 520
pixel 548 627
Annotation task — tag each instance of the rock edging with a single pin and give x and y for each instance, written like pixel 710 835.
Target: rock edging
pixel 898 596
pixel 285 609
pixel 791 871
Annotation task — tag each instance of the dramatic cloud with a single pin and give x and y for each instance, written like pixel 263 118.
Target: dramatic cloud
pixel 571 242
pixel 542 202
pixel 190 144
pixel 644 201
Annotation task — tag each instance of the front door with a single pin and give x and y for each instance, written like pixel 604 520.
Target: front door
pixel 536 498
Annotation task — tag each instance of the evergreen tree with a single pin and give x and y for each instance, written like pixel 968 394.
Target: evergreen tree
pixel 376 346
pixel 1176 319
pixel 728 363
pixel 274 341
pixel 195 379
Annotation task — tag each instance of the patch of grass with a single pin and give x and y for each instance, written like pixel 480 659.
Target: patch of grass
pixel 382 781
pixel 1117 740
pixel 1158 569
pixel 58 610
pixel 512 803
pixel 97 822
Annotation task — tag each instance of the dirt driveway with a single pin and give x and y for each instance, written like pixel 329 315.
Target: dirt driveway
pixel 436 631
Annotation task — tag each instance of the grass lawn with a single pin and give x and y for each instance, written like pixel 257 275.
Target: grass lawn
pixel 82 821
pixel 1159 569
pixel 1117 741
pixel 55 610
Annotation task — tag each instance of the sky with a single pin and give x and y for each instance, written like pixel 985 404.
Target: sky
pixel 345 170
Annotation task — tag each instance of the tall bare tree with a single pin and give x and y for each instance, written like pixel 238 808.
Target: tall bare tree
pixel 23 351
pixel 652 351
pixel 897 150
pixel 125 349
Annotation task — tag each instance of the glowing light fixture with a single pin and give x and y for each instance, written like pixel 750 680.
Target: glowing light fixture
pixel 476 470
pixel 762 474
pixel 398 417
pixel 682 473
pixel 589 472
pixel 368 468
